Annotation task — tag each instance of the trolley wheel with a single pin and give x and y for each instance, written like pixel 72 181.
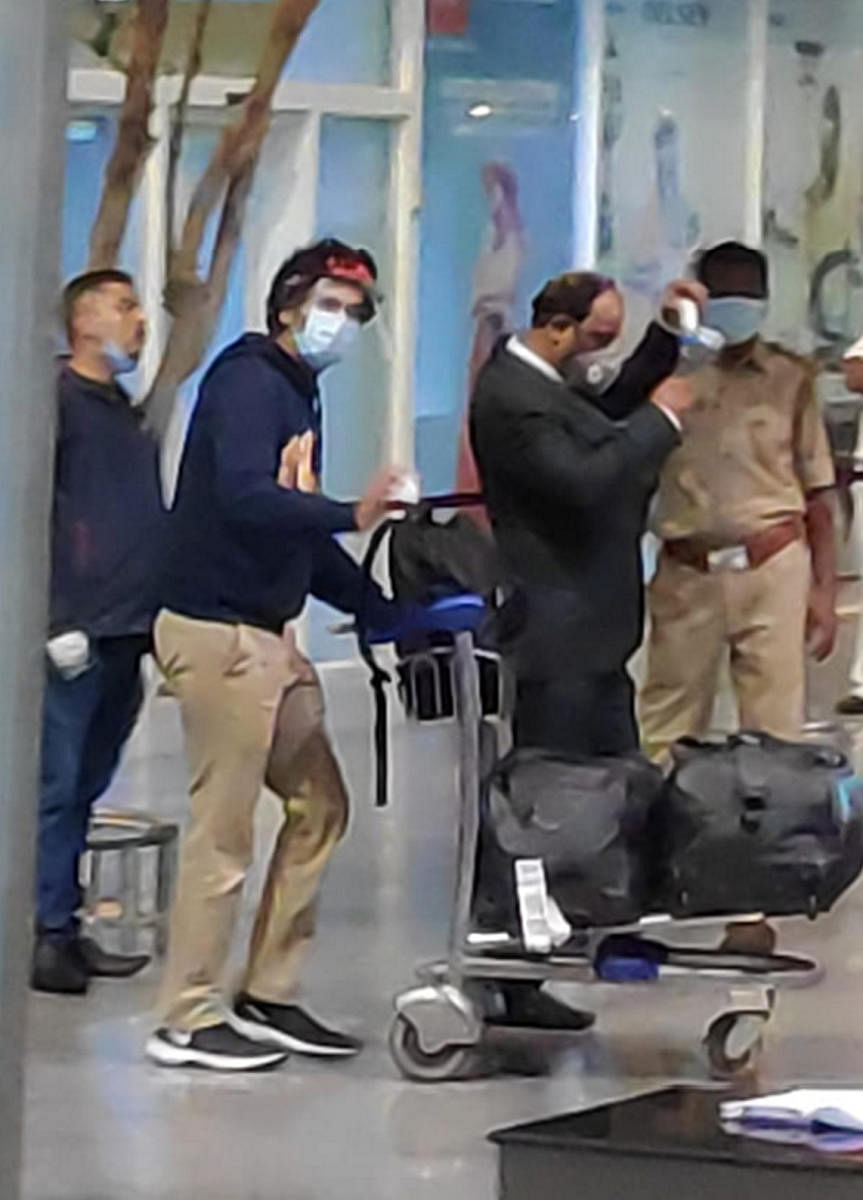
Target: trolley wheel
pixel 453 1062
pixel 734 1043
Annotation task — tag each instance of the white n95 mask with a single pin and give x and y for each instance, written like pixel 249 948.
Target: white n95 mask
pixel 595 372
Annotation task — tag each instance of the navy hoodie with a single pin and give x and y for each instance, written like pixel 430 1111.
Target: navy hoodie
pixel 244 549
pixel 109 524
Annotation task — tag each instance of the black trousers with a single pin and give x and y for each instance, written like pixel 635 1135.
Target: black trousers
pixel 588 716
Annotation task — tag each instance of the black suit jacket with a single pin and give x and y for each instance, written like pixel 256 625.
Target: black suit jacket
pixel 567 481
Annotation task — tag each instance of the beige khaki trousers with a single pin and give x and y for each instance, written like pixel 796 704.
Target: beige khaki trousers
pixel 253 715
pixel 757 618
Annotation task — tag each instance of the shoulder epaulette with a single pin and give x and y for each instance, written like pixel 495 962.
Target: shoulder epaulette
pixel 804 361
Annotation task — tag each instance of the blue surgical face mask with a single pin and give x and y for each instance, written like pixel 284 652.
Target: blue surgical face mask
pixel 326 337
pixel 120 361
pixel 738 318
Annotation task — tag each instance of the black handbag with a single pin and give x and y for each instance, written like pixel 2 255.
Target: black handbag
pixel 754 824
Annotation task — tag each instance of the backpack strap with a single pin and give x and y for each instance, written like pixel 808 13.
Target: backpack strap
pixel 446 500
pixel 378 677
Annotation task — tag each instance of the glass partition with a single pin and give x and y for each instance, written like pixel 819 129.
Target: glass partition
pixel 361 34
pixel 674 140
pixel 498 196
pixel 353 186
pixel 89 142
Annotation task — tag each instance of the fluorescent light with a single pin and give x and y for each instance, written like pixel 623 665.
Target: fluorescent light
pixel 479 112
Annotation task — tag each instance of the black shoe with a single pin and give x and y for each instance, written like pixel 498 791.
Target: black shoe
pixel 526 1007
pixel 851 706
pixel 288 1026
pixel 57 967
pixel 219 1048
pixel 101 964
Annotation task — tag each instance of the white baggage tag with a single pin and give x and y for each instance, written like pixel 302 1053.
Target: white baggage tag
pixel 533 905
pixel 559 927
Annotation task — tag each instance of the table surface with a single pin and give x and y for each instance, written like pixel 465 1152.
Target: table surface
pixel 677 1122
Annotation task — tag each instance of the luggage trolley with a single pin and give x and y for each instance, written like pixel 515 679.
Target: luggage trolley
pixel 438 1030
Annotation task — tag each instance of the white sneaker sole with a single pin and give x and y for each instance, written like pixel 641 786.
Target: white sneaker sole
pixel 166 1054
pixel 268 1035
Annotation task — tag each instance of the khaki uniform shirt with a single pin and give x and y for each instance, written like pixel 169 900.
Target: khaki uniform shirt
pixel 754 444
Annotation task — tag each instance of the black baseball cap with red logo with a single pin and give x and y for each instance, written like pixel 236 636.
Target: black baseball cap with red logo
pixel 327 259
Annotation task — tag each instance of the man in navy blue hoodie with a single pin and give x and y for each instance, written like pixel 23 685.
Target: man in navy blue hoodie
pixel 253 539
pixel 107 539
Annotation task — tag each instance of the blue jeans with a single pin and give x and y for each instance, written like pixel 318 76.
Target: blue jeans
pixel 86 722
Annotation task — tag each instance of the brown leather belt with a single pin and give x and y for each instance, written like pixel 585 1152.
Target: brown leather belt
pixel 748 554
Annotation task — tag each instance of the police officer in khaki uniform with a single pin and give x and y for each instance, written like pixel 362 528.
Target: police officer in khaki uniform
pixel 747 570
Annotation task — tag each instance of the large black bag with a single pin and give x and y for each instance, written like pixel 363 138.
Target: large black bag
pixel 589 822
pixel 753 824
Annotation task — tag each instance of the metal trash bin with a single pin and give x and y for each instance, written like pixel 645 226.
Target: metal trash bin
pixel 128 876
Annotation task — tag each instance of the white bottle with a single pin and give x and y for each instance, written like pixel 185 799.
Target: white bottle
pixel 699 344
pixel 406 490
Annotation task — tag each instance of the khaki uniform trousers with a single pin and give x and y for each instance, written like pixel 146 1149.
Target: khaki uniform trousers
pixel 757 618
pixel 253 714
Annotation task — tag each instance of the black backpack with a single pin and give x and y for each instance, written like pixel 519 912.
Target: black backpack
pixel 588 820
pixel 431 560
pixel 754 824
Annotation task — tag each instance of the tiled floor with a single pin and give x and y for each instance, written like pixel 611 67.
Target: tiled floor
pixel 103 1125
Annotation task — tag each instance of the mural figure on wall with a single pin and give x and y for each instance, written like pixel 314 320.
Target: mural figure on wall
pixel 495 287
pixel 498 268
pixel 830 228
pixel 812 212
pixel 792 158
pixel 670 228
pixel 612 128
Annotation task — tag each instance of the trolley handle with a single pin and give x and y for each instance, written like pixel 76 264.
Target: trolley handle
pixel 446 500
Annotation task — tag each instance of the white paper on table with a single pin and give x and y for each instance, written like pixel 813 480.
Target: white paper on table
pixel 838 1109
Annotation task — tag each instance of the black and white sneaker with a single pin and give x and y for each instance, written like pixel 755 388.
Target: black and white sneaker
pixel 290 1028
pixel 219 1048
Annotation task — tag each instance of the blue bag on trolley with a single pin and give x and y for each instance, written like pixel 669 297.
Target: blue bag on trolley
pixel 754 824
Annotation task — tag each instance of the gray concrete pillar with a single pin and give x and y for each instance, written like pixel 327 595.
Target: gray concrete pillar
pixel 32 103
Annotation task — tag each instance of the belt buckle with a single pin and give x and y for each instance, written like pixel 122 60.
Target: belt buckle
pixel 729 558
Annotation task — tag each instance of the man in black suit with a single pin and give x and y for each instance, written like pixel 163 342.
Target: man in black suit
pixel 569 451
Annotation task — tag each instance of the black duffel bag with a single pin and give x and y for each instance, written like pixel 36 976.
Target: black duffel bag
pixel 754 824
pixel 588 820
